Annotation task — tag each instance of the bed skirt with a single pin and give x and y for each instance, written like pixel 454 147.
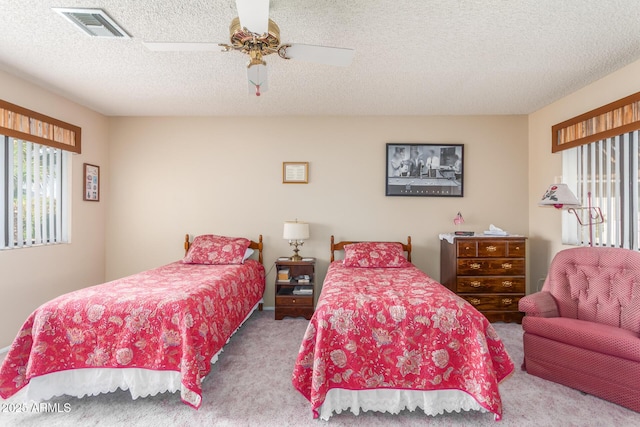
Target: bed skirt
pixel 433 402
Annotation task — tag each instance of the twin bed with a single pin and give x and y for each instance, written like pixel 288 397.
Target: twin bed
pixel 148 333
pixel 386 337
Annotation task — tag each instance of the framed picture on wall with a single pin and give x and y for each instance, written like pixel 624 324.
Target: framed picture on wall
pixel 295 172
pixel 425 170
pixel 91 191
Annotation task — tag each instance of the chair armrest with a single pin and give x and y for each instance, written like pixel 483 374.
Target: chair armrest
pixel 539 304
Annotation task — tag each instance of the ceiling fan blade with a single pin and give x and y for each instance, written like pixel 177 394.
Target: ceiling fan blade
pixel 183 47
pixel 254 15
pixel 257 79
pixel 337 56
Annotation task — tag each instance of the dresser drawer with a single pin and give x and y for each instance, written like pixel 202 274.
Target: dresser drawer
pixel 467 248
pixel 294 300
pixel 490 284
pixel 493 302
pixel 492 248
pixel 491 267
pixel 516 248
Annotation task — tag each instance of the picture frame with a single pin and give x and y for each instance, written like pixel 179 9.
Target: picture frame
pixel 91 188
pixel 295 172
pixel 424 170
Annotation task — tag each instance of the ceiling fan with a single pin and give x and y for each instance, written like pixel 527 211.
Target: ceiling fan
pixel 254 34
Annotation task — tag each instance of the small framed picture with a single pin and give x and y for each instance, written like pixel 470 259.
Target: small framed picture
pixel 295 172
pixel 425 170
pixel 91 183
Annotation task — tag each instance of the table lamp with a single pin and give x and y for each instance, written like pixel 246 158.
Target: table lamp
pixel 295 232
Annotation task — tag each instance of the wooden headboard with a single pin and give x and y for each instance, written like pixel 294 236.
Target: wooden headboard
pixel 340 247
pixel 253 245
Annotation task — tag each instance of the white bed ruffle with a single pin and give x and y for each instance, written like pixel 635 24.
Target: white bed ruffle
pixel 433 402
pixel 93 381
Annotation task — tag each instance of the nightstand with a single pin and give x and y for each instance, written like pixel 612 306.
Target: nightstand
pixel 295 290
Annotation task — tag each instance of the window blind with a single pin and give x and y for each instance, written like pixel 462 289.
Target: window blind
pixel 33 204
pixel 609 169
pixel 22 123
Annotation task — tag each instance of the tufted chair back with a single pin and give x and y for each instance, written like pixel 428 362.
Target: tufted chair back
pixel 597 284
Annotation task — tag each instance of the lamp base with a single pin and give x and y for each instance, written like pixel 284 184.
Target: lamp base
pixel 295 256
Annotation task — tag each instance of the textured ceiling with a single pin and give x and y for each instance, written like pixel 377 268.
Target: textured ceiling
pixel 412 57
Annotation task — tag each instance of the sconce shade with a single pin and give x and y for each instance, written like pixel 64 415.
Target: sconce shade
pixel 559 196
pixel 294 230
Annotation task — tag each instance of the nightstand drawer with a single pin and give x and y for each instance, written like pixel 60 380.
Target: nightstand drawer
pixel 490 284
pixel 491 267
pixel 493 302
pixel 294 300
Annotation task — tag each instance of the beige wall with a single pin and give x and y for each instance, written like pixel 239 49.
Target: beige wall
pixel 223 175
pixel 31 276
pixel 545 224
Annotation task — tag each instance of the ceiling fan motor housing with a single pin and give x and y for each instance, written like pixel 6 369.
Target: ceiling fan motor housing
pixel 255 45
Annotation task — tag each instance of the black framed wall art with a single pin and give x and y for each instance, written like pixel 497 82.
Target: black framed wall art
pixel 425 170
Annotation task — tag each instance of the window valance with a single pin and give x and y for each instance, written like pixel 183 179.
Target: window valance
pixel 21 123
pixel 613 119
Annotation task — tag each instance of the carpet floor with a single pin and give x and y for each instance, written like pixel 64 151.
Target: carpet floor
pixel 250 385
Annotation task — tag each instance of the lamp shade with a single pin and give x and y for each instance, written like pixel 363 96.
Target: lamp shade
pixel 294 230
pixel 559 196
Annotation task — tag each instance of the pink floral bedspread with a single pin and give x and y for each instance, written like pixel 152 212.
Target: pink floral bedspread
pixel 175 317
pixel 396 328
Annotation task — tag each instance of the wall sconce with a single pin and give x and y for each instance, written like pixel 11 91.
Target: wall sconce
pixel 561 197
pixel 295 232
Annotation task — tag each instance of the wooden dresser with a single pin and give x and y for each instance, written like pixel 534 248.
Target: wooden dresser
pixel 489 272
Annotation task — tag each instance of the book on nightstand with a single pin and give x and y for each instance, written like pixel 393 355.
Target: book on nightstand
pixel 283 275
pixel 304 279
pixel 302 290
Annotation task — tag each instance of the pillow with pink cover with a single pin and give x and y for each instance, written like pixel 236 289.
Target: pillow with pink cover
pixel 212 249
pixel 375 255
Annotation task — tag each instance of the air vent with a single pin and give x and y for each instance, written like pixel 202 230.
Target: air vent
pixel 94 22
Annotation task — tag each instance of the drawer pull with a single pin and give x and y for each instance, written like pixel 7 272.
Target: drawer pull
pixel 507 284
pixel 507 301
pixel 475 284
pixel 491 248
pixel 293 300
pixel 475 266
pixel 507 265
pixel 474 301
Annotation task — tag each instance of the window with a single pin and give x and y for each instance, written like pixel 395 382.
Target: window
pixel 34 187
pixel 608 169
pixel 33 194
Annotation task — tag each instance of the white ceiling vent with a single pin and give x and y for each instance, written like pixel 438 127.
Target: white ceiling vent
pixel 94 22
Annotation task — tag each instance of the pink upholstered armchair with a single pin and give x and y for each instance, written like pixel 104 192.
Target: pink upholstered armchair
pixel 582 329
